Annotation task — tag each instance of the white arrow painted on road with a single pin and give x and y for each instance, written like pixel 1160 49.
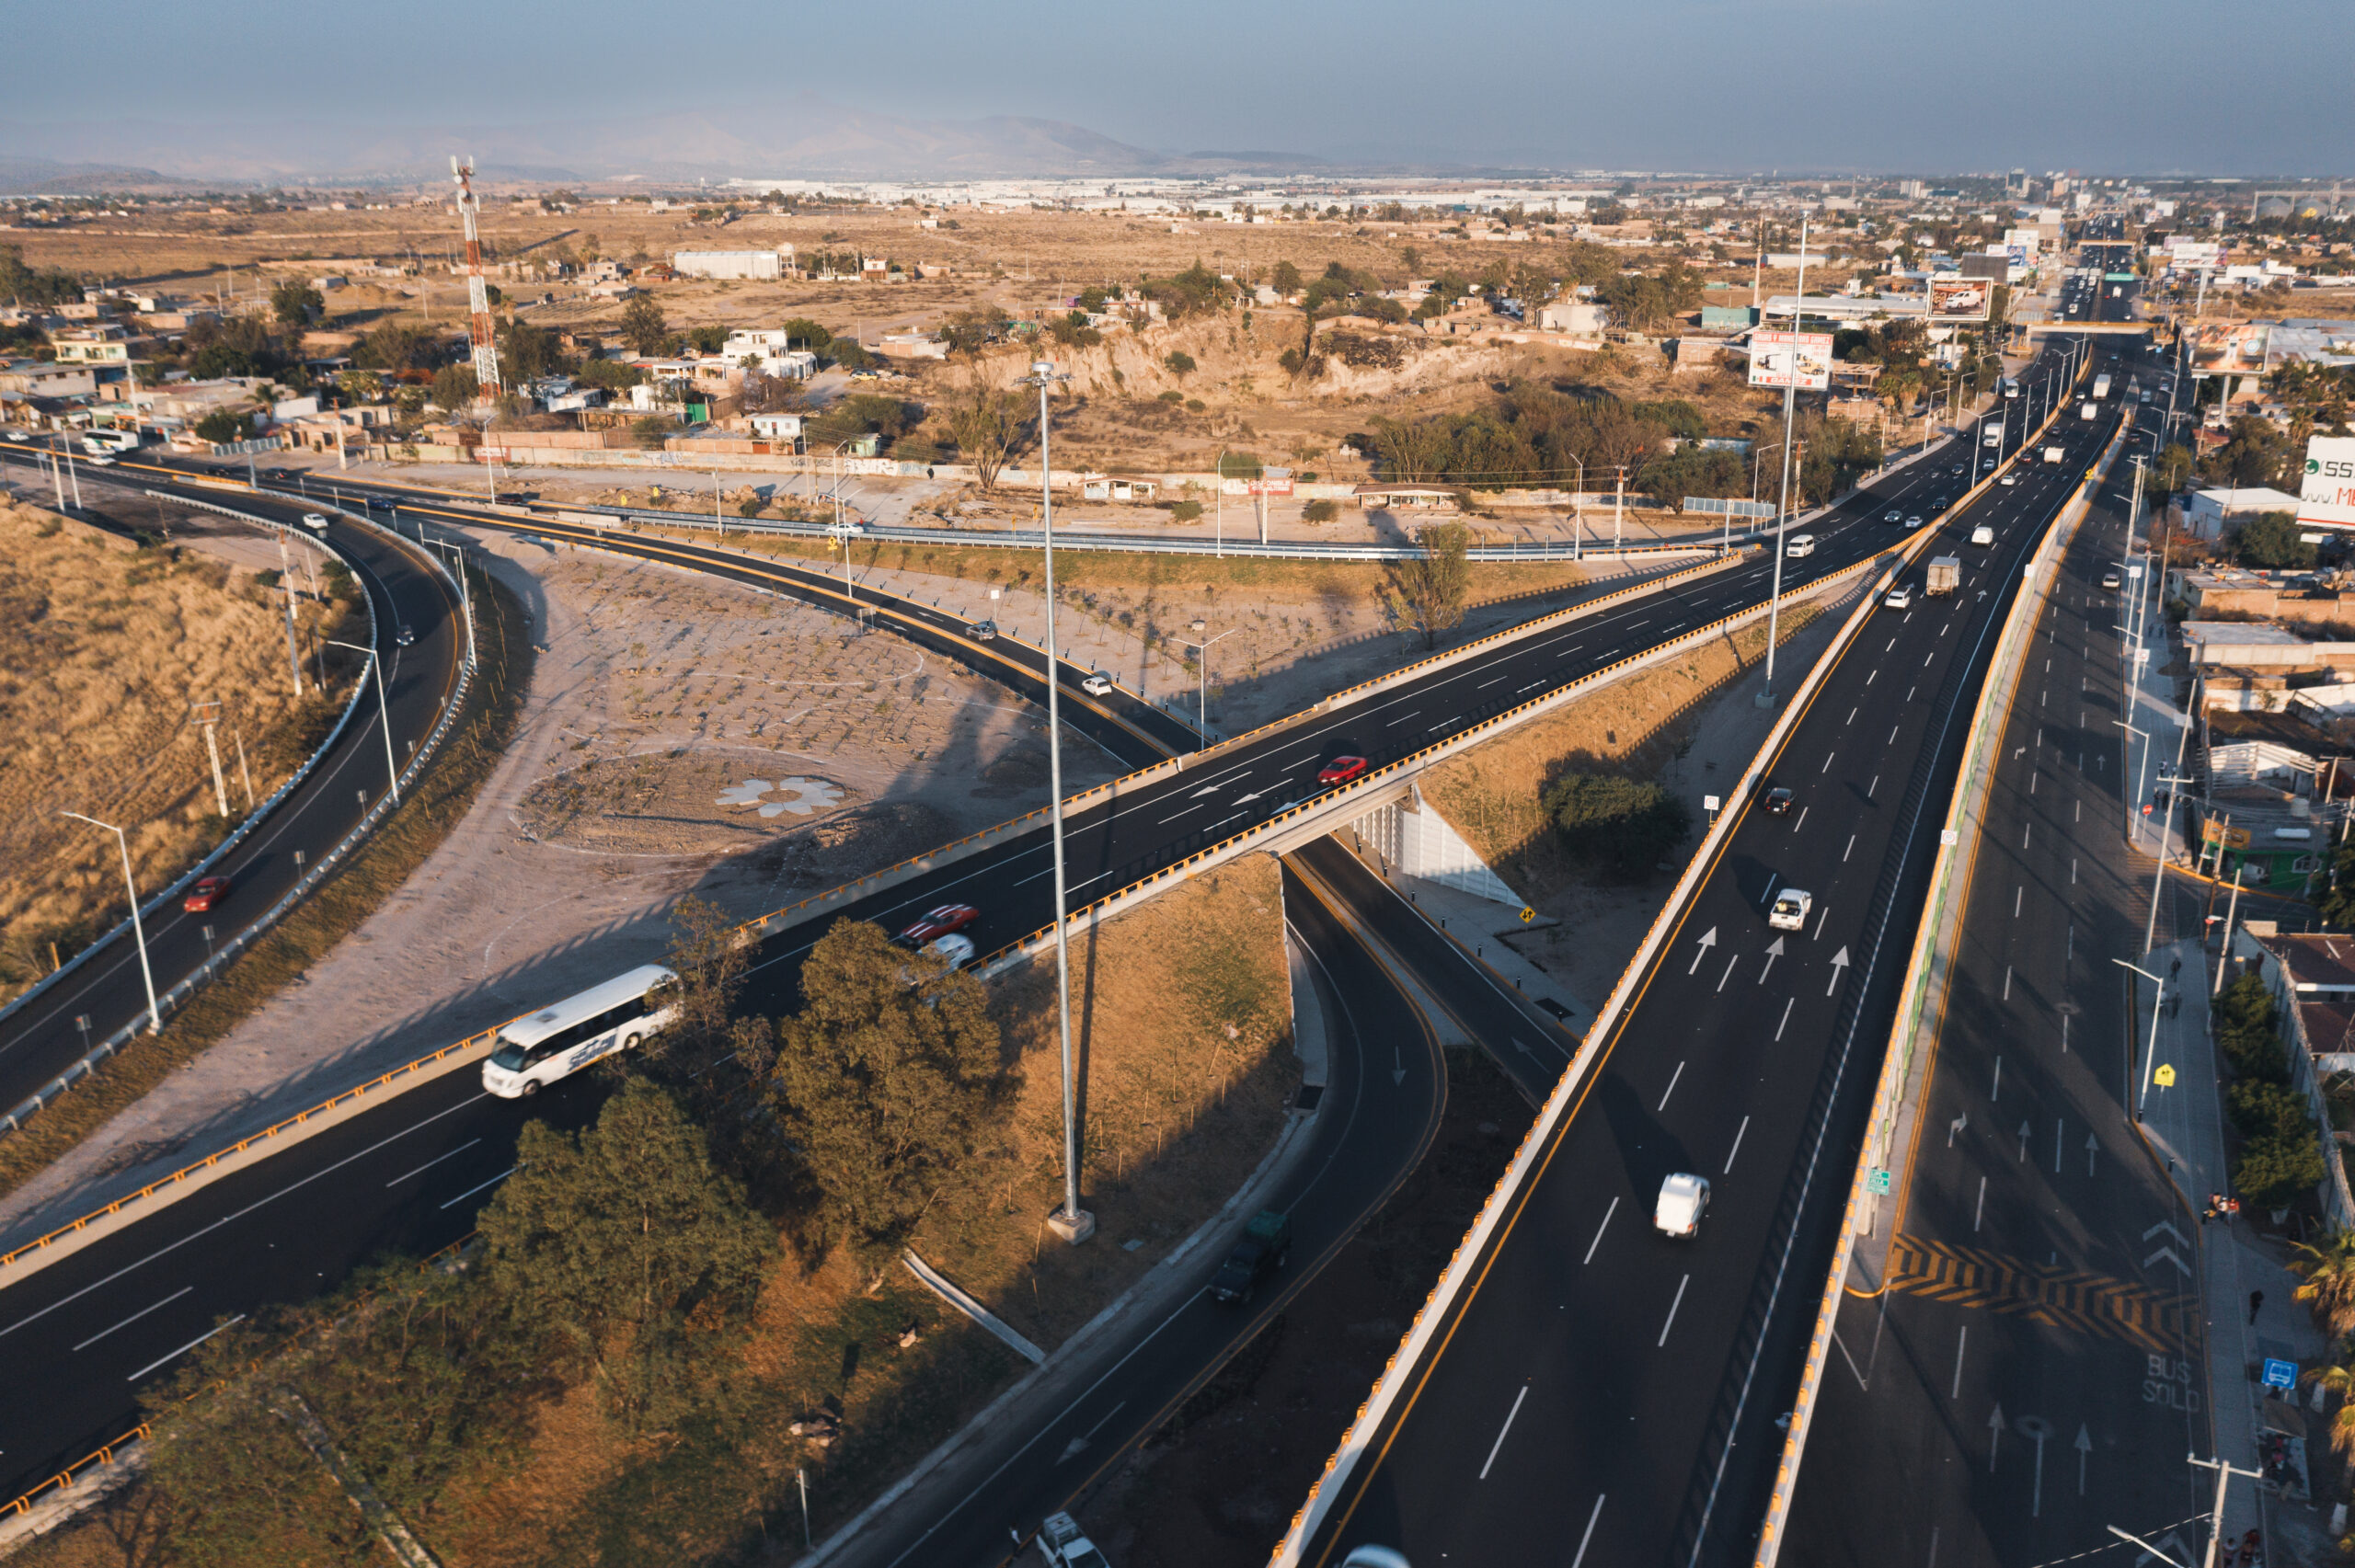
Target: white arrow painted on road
pixel 2084 1445
pixel 1773 953
pixel 1708 940
pixel 1253 795
pixel 2024 1137
pixel 1211 790
pixel 2180 1238
pixel 1994 1438
pixel 1398 1064
pixel 1955 1127
pixel 2168 1253
pixel 2092 1147
pixel 1839 962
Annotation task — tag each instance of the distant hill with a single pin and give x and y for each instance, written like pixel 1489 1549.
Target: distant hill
pixel 47 176
pixel 805 137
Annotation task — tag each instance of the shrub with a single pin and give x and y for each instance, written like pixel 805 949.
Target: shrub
pixel 1171 397
pixel 1195 405
pixel 221 426
pixel 1320 511
pixel 2272 1171
pixel 1617 822
pixel 1184 511
pixel 2267 1110
pixel 1179 361
pixel 2247 1021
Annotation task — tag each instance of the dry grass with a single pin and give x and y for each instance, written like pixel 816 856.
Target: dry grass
pixel 437 804
pixel 103 647
pixel 1633 727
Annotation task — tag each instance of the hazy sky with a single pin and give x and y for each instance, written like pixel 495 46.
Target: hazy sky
pixel 2216 85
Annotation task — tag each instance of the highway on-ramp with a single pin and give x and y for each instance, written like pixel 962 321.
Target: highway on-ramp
pixel 1601 1392
pixel 42 1035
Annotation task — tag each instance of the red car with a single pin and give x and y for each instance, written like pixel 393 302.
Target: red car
pixel 208 891
pixel 937 923
pixel 1341 769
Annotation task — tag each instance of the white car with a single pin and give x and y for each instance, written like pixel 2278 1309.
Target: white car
pixel 954 949
pixel 1914 521
pixel 315 522
pixel 1096 684
pixel 1901 596
pixel 1684 1198
pixel 1982 534
pixel 2008 480
pixel 1792 906
pixel 1800 545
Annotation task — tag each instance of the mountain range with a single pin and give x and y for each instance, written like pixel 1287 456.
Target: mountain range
pixel 802 137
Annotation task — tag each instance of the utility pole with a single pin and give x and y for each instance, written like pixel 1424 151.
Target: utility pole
pixel 1072 1223
pixel 286 580
pixel 244 773
pixel 2224 1473
pixel 138 930
pixel 2232 907
pixel 208 714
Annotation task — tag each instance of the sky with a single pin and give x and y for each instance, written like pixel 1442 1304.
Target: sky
pixel 2151 85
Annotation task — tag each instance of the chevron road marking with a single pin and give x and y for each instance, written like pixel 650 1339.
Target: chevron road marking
pixel 2075 1300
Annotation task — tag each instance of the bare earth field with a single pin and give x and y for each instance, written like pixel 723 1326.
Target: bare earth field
pixel 104 647
pixel 681 737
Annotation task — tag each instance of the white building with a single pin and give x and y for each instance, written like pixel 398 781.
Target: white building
pixel 764 266
pixel 2211 511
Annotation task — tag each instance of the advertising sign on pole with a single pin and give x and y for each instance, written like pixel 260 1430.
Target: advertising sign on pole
pixel 1801 360
pixel 2326 494
pixel 2190 255
pixel 1960 299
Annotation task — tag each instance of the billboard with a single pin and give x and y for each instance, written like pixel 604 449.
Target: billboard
pixel 2191 256
pixel 2326 494
pixel 2016 256
pixel 2028 240
pixel 1801 360
pixel 1960 299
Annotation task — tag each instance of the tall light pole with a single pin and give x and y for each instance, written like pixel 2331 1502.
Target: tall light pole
pixel 1783 507
pixel 1203 699
pixel 383 718
pixel 2151 1051
pixel 1072 1223
pixel 138 929
pixel 2173 783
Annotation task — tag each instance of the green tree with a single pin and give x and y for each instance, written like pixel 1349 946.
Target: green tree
pixel 2326 1274
pixel 1427 591
pixel 643 328
pixel 221 426
pixel 455 387
pixel 528 353
pixel 629 1252
pixel 2271 539
pixel 359 386
pixel 1285 279
pixel 882 1084
pixel 1620 823
pixel 35 286
pixel 397 346
pixel 2247 1021
pixel 2272 1171
pixel 296 303
pixel 985 428
pixel 2173 468
pixel 1179 361
pixel 708 339
pixel 801 332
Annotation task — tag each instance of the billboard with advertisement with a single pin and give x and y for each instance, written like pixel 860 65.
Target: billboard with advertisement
pixel 1960 299
pixel 2016 256
pixel 2326 493
pixel 1801 360
pixel 2192 255
pixel 2024 239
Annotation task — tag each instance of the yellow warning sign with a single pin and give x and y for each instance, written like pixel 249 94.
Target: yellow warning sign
pixel 2164 1077
pixel 1527 914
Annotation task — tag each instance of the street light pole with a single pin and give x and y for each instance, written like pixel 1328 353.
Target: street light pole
pixel 1072 1223
pixel 383 718
pixel 1203 699
pixel 2224 1473
pixel 138 929
pixel 2151 1051
pixel 1783 507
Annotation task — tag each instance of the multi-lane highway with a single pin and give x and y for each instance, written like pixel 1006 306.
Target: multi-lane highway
pixel 43 1034
pixel 1602 1392
pixel 2026 1366
pixel 411 1173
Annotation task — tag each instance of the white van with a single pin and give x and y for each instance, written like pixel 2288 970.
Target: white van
pixel 559 1040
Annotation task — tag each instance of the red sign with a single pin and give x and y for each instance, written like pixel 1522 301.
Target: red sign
pixel 1270 487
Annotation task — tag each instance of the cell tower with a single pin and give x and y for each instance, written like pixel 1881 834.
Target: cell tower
pixel 478 298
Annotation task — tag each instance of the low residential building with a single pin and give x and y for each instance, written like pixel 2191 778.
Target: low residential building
pixel 1116 487
pixel 2210 513
pixel 2280 751
pixel 759 266
pixel 40 378
pixel 921 345
pixel 105 344
pixel 778 427
pixel 1405 498
pixel 2258 644
pixel 1574 317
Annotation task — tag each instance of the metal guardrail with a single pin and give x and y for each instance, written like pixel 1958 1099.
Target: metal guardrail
pixel 179 994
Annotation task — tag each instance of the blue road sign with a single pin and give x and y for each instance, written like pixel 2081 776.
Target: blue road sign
pixel 2280 1374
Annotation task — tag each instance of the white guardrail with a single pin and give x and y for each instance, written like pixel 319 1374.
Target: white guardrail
pixel 179 995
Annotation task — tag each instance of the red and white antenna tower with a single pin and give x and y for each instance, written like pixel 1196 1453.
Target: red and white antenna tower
pixel 478 297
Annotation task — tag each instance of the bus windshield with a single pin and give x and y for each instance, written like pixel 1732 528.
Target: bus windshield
pixel 509 1055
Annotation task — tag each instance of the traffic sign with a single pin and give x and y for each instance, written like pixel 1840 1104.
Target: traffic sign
pixel 1876 1180
pixel 1527 914
pixel 2280 1374
pixel 2165 1076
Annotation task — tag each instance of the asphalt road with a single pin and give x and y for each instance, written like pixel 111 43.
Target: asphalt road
pixel 1110 843
pixel 1604 1394
pixel 2032 1374
pixel 41 1038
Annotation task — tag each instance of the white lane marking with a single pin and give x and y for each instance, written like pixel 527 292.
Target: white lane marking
pixel 492 1183
pixel 1868 676
pixel 227 1219
pixel 1786 1024
pixel 1827 762
pixel 1960 1340
pixel 2007 982
pixel 135 1317
pixel 1852 715
pixel 469 1143
pixel 1737 1135
pixel 1892 735
pixel 1671 1311
pixel 1977 1214
pixel 1728 974
pixel 184 1349
pixel 1872 788
pixel 1598 1233
pixel 1175 814
pixel 1499 1442
pixel 1670 1088
pixel 2017 892
pixel 1399 720
pixel 1486 684
pixel 1590 1531
pixel 1850 849
pixel 1802 821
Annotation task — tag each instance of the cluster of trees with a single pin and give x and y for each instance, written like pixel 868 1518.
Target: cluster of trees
pixel 626 1259
pixel 2270 542
pixel 38 287
pixel 1621 825
pixel 2281 1155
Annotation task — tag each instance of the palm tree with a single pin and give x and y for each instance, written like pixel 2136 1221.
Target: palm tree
pixel 2338 1379
pixel 2328 1282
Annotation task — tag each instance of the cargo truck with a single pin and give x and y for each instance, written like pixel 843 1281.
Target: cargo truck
pixel 2085 411
pixel 2101 386
pixel 1944 576
pixel 2053 454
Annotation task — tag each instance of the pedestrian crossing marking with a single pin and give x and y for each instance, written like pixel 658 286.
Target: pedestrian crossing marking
pixel 2075 1300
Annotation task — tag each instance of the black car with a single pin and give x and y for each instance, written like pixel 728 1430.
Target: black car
pixel 1266 1245
pixel 1778 801
pixel 407 636
pixel 380 503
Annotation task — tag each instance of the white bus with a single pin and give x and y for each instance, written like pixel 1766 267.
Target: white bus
pixel 561 1039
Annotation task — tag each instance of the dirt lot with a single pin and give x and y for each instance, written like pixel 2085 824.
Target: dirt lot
pixel 104 649
pixel 682 736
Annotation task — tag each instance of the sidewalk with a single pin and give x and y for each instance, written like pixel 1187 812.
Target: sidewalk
pixel 2185 1127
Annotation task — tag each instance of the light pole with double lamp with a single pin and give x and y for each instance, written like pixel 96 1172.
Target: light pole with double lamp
pixel 1072 1223
pixel 1202 697
pixel 382 717
pixel 138 930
